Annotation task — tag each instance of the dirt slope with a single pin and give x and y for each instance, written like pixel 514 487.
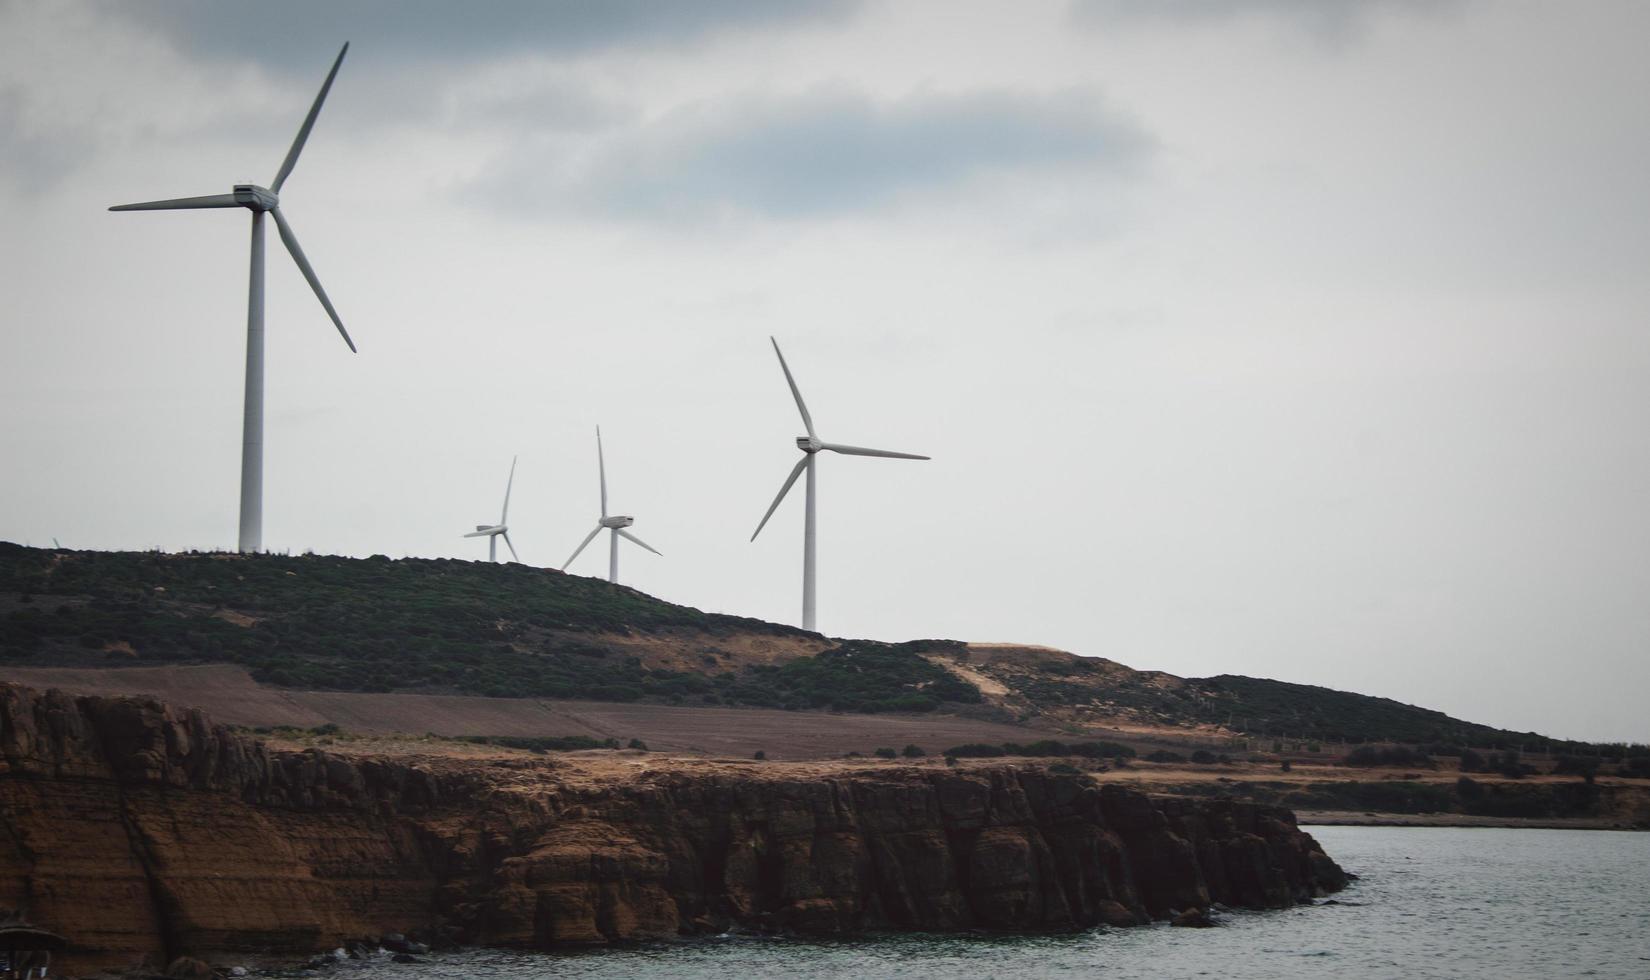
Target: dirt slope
pixel 230 694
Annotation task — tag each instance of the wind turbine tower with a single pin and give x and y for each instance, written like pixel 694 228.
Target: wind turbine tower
pixel 492 532
pixel 811 445
pixel 260 201
pixel 615 524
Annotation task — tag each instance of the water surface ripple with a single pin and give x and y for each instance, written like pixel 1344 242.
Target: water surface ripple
pixel 1431 903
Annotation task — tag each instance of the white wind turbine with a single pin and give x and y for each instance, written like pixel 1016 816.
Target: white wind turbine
pixel 492 532
pixel 810 445
pixel 259 201
pixel 615 524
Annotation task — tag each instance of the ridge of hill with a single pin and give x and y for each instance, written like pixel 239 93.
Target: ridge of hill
pixel 1094 691
pixel 440 626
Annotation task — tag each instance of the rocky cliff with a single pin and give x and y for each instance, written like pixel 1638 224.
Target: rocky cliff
pixel 139 830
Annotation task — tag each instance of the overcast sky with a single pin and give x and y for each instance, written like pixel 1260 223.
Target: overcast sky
pixel 1304 340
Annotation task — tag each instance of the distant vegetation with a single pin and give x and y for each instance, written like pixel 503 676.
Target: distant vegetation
pixel 856 676
pixel 1510 764
pixel 508 630
pixel 376 625
pixel 1466 795
pixel 1303 712
pixel 1388 755
pixel 542 744
pixel 1042 749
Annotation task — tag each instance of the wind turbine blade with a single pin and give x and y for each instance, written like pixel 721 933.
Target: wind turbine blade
pixel 601 464
pixel 309 123
pixel 505 517
pixel 801 464
pixel 587 539
pixel 182 203
pixel 626 534
pixel 506 536
pixel 862 451
pixel 291 242
pixel 807 420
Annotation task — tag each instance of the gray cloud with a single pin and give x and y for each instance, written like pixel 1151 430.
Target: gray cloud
pixel 33 156
pixel 293 34
pixel 825 153
pixel 561 106
pixel 1331 20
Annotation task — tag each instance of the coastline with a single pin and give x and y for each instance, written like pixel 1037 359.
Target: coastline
pixel 1341 818
pixel 145 833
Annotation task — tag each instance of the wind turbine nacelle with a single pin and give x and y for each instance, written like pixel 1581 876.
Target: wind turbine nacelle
pixel 257 198
pixel 485 527
pixel 620 521
pixel 808 444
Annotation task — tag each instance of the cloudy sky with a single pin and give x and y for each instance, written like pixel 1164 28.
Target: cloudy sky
pixel 1299 339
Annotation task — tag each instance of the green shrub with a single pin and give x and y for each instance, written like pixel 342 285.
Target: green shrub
pixel 975 750
pixel 1043 748
pixel 1509 764
pixel 886 754
pixel 1396 755
pixel 542 744
pixel 1102 750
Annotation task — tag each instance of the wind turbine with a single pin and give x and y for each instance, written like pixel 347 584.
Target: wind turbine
pixel 492 532
pixel 260 201
pixel 616 524
pixel 810 445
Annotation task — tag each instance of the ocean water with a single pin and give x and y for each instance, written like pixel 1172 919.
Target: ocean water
pixel 1431 902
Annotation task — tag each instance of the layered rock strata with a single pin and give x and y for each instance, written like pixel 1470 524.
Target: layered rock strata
pixel 139 830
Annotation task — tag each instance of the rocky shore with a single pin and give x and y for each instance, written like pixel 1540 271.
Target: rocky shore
pixel 142 832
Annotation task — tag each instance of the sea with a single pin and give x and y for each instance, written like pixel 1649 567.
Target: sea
pixel 1452 903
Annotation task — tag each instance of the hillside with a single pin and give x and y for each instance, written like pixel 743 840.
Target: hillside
pixel 443 627
pixel 1091 691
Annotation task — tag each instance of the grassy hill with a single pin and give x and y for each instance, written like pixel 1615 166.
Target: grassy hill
pixel 1055 683
pixel 507 630
pixel 430 625
pixel 1305 712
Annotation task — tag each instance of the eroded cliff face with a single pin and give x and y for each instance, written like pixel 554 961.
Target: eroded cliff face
pixel 136 829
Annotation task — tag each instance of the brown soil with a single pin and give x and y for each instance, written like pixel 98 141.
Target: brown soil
pixel 423 724
pixel 228 693
pixel 692 651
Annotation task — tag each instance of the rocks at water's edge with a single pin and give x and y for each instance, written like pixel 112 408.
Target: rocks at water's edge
pixel 139 830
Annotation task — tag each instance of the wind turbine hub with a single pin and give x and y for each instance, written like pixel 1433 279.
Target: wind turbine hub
pixel 256 198
pixel 618 521
pixel 809 444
